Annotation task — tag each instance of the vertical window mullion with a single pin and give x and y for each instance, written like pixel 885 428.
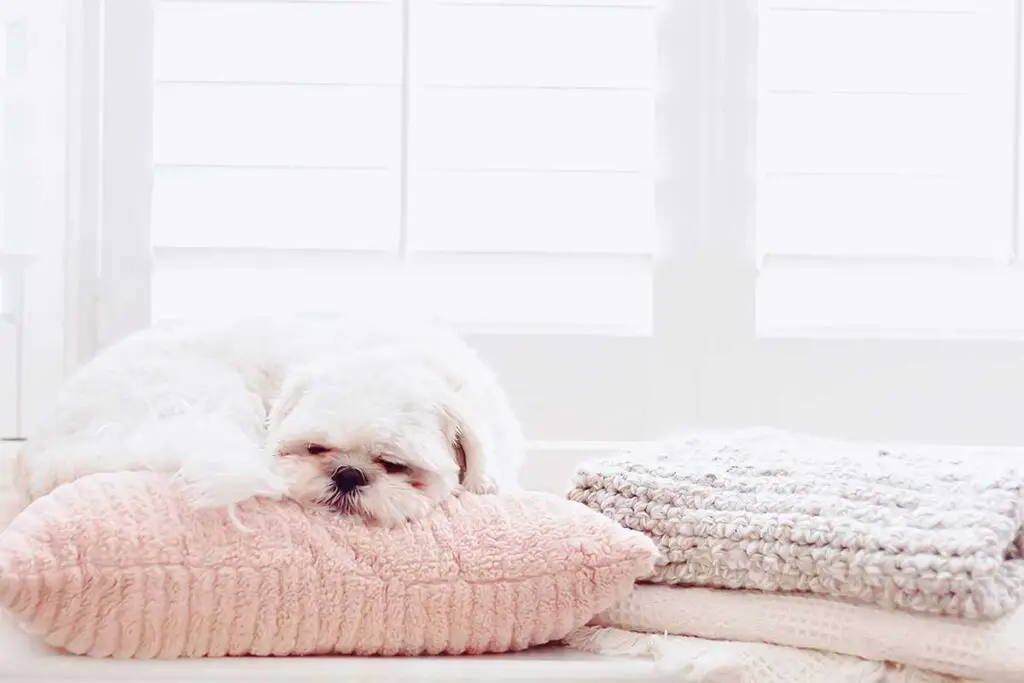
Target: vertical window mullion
pixel 704 281
pixel 127 168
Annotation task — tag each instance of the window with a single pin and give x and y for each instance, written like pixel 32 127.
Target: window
pixel 265 155
pixel 887 176
pixel 833 245
pixel 341 154
pixel 853 214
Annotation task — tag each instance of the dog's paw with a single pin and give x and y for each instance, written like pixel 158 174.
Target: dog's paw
pixel 218 482
pixel 479 485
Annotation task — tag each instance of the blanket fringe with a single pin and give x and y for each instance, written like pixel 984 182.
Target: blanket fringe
pixel 703 666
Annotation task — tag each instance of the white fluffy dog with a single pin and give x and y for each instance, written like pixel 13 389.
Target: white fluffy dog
pixel 373 419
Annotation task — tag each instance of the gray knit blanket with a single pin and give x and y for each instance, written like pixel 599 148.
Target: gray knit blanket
pixel 774 511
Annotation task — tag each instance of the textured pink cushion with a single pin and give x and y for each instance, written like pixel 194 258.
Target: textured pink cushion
pixel 118 565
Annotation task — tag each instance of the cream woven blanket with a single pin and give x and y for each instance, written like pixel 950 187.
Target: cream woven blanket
pixel 758 637
pixel 776 511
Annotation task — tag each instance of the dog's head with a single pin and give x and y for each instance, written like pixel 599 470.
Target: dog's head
pixel 378 434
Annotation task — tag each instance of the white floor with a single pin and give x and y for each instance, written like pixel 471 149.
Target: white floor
pixel 22 659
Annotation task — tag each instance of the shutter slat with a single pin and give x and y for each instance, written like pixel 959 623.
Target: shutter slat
pixel 860 133
pixel 472 292
pixel 869 51
pixel 899 299
pixel 276 125
pixel 278 42
pixel 274 207
pixel 495 38
pixel 534 129
pixel 532 211
pixel 879 215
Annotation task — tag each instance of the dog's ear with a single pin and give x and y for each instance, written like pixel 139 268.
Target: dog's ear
pixel 469 443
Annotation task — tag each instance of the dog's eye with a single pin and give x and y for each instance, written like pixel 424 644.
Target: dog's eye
pixel 316 449
pixel 393 467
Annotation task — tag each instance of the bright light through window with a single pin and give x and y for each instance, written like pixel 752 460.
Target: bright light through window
pixel 886 188
pixel 341 154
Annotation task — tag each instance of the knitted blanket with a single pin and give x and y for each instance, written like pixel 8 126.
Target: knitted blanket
pixel 775 511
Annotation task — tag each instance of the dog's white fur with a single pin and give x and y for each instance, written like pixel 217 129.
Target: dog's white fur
pixel 273 407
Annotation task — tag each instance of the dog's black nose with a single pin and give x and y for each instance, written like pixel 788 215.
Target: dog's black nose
pixel 348 479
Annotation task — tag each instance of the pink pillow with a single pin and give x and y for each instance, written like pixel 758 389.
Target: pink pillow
pixel 118 565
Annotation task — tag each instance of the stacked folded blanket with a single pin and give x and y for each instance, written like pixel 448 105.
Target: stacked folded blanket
pixel 771 541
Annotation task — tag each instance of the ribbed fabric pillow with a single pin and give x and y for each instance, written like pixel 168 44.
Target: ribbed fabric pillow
pixel 118 565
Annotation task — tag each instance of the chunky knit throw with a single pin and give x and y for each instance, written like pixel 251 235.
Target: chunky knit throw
pixel 775 511
pixel 118 565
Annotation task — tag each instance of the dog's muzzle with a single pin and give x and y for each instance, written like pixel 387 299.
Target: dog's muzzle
pixel 348 479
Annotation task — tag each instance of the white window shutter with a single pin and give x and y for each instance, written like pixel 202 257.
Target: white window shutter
pixel 886 179
pixel 530 168
pixel 342 151
pixel 847 383
pixel 486 161
pixel 277 174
